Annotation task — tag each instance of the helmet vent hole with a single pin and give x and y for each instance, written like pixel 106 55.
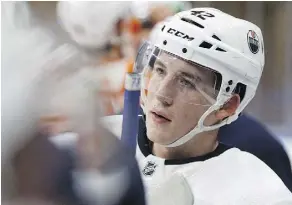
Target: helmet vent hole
pixel 205 44
pixel 216 37
pixel 240 89
pixel 230 82
pixel 220 49
pixel 192 22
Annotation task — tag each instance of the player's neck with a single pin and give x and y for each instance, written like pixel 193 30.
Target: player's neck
pixel 202 144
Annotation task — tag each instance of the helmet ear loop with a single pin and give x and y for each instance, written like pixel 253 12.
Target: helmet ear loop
pixel 216 107
pixel 217 121
pixel 216 113
pixel 226 106
pixel 222 107
pixel 198 129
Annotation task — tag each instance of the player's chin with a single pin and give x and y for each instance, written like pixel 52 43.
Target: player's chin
pixel 159 136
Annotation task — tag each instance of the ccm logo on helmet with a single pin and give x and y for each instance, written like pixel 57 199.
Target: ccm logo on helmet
pixel 179 34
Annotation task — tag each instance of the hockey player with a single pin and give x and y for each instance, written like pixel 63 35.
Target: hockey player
pixel 200 72
pixel 257 140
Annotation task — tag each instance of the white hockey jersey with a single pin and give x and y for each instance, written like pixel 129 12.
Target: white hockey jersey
pixel 225 176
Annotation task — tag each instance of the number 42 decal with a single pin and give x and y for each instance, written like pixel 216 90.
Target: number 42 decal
pixel 201 14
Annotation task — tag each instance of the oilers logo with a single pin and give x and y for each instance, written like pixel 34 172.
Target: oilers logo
pixel 149 169
pixel 253 41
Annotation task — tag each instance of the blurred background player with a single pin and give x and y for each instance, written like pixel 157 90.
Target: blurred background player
pixel 81 20
pixel 46 89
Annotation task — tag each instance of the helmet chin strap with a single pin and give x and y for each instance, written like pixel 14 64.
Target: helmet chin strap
pixel 200 127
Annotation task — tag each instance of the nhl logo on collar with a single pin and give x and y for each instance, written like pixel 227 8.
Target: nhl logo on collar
pixel 253 41
pixel 149 169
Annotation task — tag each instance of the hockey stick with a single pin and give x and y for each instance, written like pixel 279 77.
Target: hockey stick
pixel 131 110
pixel 132 102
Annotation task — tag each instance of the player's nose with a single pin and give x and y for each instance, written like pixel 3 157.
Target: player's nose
pixel 166 101
pixel 165 91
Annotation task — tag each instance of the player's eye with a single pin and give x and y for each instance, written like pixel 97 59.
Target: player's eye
pixel 159 70
pixel 186 83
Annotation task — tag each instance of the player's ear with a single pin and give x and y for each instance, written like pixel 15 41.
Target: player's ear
pixel 228 108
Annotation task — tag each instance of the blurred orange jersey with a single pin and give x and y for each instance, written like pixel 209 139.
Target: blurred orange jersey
pixel 111 89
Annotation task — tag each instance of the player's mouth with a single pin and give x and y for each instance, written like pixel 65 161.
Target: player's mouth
pixel 159 117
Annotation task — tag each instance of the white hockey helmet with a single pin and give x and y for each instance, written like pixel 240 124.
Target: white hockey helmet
pixel 227 45
pixel 89 23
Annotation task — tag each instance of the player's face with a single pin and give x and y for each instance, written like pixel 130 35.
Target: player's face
pixel 176 98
